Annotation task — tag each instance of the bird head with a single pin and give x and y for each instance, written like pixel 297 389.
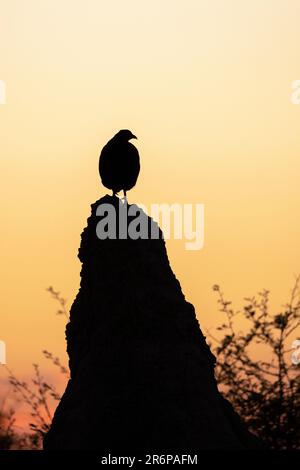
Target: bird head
pixel 125 135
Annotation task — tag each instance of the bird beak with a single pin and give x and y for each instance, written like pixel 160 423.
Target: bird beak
pixel 134 137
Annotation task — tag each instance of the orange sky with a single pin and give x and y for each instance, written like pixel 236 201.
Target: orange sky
pixel 206 87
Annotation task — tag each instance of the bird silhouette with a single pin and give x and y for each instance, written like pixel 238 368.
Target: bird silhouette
pixel 119 163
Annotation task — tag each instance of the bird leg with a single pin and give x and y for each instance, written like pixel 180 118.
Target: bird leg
pixel 124 198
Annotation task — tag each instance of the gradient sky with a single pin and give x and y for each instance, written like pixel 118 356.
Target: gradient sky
pixel 206 87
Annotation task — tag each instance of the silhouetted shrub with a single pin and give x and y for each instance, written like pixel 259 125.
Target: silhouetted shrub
pixel 266 393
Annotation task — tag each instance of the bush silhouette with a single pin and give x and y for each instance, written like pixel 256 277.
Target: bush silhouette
pixel 266 393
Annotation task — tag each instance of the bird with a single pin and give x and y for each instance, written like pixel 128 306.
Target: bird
pixel 119 163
